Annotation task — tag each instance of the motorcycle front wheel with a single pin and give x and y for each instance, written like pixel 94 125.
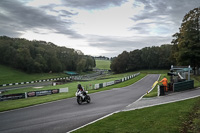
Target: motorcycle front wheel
pixel 79 100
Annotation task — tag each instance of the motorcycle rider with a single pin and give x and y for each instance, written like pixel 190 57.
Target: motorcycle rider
pixel 81 90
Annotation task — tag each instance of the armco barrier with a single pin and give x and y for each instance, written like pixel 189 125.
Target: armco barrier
pixel 32 94
pixel 30 82
pixel 104 84
pixel 118 81
pixel 110 83
pixel 12 96
pixel 101 85
pixel 96 86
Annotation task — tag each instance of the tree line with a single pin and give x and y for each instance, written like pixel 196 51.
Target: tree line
pixel 184 50
pixel 40 56
pixel 147 58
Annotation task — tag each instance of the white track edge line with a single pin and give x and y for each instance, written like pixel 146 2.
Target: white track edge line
pixel 93 121
pixel 161 103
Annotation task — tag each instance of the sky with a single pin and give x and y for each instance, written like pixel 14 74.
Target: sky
pixel 96 27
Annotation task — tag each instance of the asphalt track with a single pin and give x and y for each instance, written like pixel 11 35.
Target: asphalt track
pixel 65 115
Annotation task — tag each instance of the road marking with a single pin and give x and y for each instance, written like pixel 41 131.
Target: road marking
pixel 93 121
pixel 162 103
pixel 154 85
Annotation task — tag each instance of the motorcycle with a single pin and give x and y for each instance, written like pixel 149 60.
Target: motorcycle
pixel 82 97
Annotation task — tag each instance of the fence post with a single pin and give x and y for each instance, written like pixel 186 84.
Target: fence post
pixel 158 90
pixel 25 94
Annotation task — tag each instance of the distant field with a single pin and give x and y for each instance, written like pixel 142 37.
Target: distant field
pixel 103 64
pixel 10 75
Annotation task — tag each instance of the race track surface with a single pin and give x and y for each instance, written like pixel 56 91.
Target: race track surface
pixel 65 115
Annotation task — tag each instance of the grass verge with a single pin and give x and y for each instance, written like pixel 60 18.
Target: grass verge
pixel 168 118
pixel 11 75
pixel 103 64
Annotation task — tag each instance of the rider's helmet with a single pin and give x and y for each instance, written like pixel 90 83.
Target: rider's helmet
pixel 79 86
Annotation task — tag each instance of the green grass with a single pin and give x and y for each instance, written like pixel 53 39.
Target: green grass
pixel 14 104
pixel 103 64
pixel 196 80
pixel 154 71
pixel 10 75
pixel 169 118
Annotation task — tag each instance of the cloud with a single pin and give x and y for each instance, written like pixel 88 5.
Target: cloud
pixel 93 4
pixel 162 14
pixel 116 45
pixel 19 18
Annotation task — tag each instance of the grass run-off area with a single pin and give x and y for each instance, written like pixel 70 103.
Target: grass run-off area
pixel 11 75
pixel 183 116
pixel 103 64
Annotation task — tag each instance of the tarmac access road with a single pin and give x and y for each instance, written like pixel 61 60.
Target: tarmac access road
pixel 13 87
pixel 65 115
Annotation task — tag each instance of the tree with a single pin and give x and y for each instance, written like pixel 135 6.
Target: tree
pixel 89 63
pixel 188 40
pixel 81 65
pixel 164 57
pixel 146 58
pixel 121 63
pixel 40 56
pixel 135 60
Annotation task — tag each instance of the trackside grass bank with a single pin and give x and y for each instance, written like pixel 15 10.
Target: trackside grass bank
pixel 14 104
pixel 168 118
pixel 103 64
pixel 11 75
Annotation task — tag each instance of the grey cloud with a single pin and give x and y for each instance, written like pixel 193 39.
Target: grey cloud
pixel 67 13
pixel 174 9
pixel 169 13
pixel 161 27
pixel 93 4
pixel 18 18
pixel 63 13
pixel 115 45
